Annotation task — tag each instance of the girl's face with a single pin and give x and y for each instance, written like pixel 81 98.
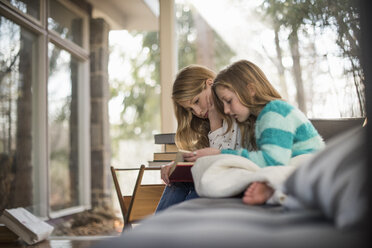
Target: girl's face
pixel 201 103
pixel 231 104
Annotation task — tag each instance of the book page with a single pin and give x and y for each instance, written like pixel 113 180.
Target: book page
pixel 179 158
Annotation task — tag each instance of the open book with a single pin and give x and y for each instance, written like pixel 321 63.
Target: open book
pixel 181 169
pixel 26 225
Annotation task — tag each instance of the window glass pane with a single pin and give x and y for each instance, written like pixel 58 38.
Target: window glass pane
pixel 30 7
pixel 134 106
pixel 17 71
pixel 65 22
pixel 309 54
pixel 63 133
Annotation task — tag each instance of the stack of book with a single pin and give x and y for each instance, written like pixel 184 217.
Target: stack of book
pixel 168 151
pixel 180 170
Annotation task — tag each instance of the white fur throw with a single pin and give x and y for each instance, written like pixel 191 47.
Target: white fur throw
pixel 227 175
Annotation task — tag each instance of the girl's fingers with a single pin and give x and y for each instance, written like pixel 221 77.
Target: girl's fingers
pixel 191 157
pixel 164 173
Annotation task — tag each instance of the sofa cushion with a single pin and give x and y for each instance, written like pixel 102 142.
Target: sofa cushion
pixel 329 128
pixel 227 222
pixel 334 181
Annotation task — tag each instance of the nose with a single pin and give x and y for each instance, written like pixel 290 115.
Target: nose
pixel 226 109
pixel 197 111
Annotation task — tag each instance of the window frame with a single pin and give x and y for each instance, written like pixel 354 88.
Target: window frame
pixel 31 18
pixel 40 158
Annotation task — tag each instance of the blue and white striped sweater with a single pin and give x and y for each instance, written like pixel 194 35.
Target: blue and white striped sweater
pixel 282 132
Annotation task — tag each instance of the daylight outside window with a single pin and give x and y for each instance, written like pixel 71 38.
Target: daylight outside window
pixel 310 58
pixel 17 96
pixel 63 128
pixel 44 72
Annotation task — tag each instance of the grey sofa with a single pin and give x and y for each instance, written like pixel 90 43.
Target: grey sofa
pixel 331 212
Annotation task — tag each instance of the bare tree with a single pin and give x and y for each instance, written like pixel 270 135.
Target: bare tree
pixel 297 71
pixel 23 186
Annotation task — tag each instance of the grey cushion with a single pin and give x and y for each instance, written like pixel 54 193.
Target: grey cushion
pixel 334 181
pixel 227 222
pixel 330 128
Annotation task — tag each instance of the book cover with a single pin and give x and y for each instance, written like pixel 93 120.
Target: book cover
pixel 181 170
pixel 165 156
pixel 157 163
pixel 170 148
pixel 164 138
pixel 26 225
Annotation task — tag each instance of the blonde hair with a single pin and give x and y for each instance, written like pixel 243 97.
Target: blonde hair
pixel 192 132
pixel 242 77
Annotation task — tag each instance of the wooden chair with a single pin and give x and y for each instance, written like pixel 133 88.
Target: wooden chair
pixel 142 202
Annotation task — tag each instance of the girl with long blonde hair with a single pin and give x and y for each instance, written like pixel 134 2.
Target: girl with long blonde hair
pixel 199 128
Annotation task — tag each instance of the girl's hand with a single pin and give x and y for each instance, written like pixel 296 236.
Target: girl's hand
pixel 192 156
pixel 164 172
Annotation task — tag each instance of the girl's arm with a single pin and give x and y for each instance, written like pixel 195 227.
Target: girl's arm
pixel 218 140
pixel 282 132
pixel 193 156
pixel 269 154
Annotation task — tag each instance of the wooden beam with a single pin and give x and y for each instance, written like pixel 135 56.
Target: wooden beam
pixel 168 63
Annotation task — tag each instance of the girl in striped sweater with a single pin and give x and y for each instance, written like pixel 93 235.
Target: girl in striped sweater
pixel 273 131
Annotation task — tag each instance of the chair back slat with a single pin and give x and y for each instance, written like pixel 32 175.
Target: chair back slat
pixel 142 202
pixel 146 201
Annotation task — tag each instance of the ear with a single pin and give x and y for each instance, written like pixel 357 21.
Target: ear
pixel 251 90
pixel 209 82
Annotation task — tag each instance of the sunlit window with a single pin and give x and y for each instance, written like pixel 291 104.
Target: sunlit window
pixel 44 161
pixel 309 51
pixel 28 7
pixel 134 107
pixel 17 74
pixel 65 22
pixel 63 128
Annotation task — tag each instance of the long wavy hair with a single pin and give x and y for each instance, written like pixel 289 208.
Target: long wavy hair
pixel 241 78
pixel 192 132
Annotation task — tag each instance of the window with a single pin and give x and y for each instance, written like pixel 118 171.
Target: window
pixel 62 128
pixel 18 52
pixel 44 111
pixel 135 104
pixel 65 22
pixel 31 8
pixel 309 53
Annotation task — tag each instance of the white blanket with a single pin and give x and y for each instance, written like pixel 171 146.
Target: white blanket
pixel 227 175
